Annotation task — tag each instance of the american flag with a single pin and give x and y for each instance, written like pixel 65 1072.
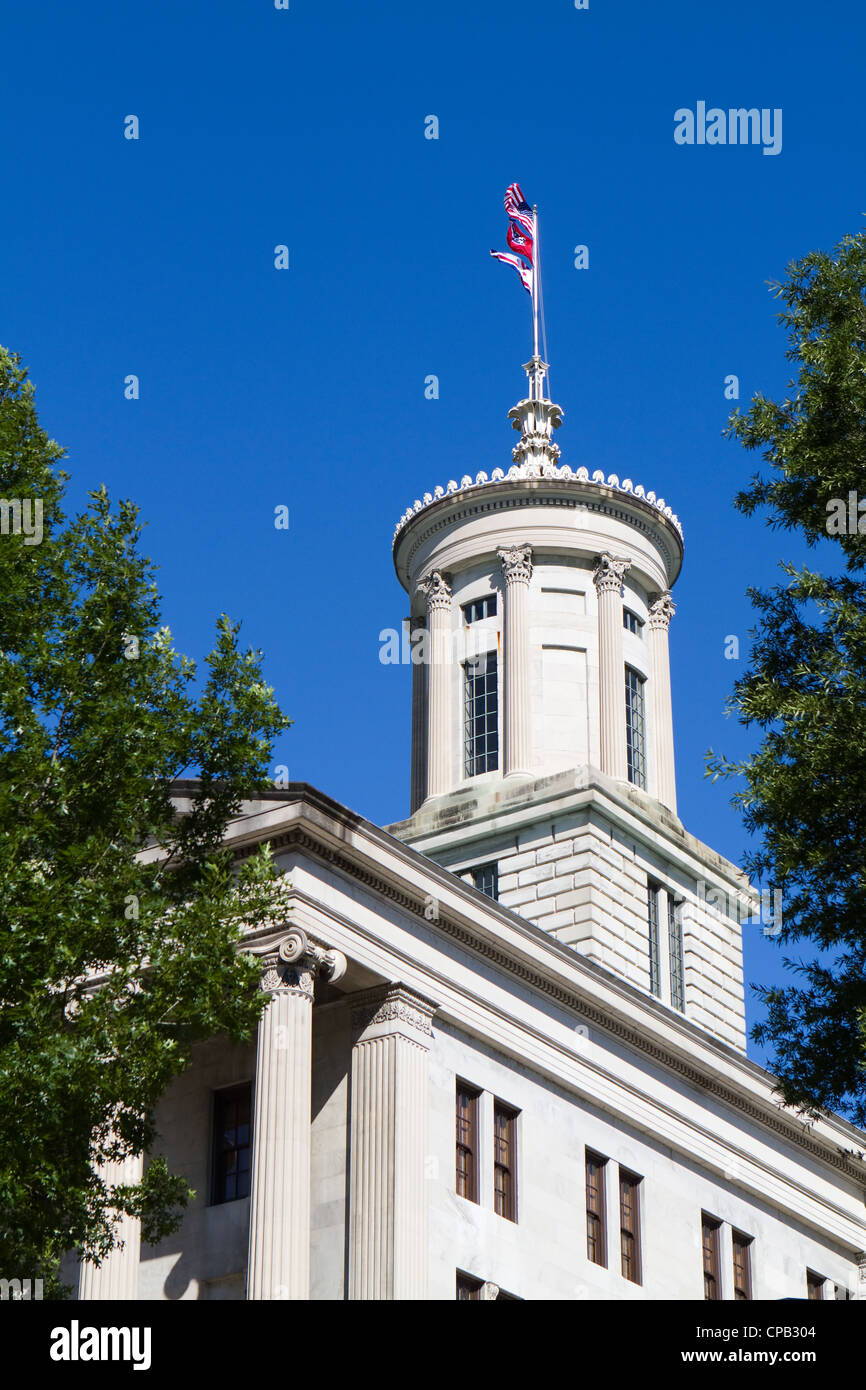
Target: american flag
pixel 520 236
pixel 523 271
pixel 517 207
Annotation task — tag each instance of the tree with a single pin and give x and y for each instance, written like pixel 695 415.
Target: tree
pixel 113 963
pixel 804 791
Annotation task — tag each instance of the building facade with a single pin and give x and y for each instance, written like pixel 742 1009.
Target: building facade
pixel 504 1054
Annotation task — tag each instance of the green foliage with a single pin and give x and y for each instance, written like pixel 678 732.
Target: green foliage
pixel 94 727
pixel 804 789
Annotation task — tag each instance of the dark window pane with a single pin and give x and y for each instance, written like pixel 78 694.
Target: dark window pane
pixel 231 1144
pixel 481 715
pixel 675 938
pixel 635 727
pixel 653 921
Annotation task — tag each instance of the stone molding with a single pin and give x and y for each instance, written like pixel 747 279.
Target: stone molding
pixel 393 1004
pixel 437 590
pixel 602 504
pixel 560 471
pixel 587 1011
pixel 609 573
pixel 516 563
pixel 662 608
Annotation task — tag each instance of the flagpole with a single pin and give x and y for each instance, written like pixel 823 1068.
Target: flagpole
pixel 536 272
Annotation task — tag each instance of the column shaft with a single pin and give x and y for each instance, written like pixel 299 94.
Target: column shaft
pixel 388 1216
pixel 439 712
pixel 661 612
pixel 117 1277
pixel 418 791
pixel 278 1263
pixel 608 579
pixel 279 1249
pixel 517 569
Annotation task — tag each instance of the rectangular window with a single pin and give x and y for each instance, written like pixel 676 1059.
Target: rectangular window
pixel 467 1287
pixel 635 727
pixel 742 1265
pixel 710 1240
pixel 230 1149
pixel 480 608
pixel 481 715
pixel 467 1142
pixel 504 1161
pixel 675 943
pixel 814 1284
pixel 654 958
pixel 486 879
pixel 596 1224
pixel 632 622
pixel 629 1225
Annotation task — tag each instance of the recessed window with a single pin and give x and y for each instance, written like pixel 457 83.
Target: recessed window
pixel 814 1284
pixel 629 1225
pixel 481 715
pixel 653 891
pixel 480 608
pixel 486 879
pixel 231 1144
pixel 742 1265
pixel 710 1243
pixel 635 727
pixel 467 1142
pixel 675 943
pixel 632 622
pixel 505 1161
pixel 596 1225
pixel 468 1288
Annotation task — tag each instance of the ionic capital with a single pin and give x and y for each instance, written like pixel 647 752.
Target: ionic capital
pixel 437 590
pixel 516 563
pixel 661 610
pixel 609 572
pixel 296 962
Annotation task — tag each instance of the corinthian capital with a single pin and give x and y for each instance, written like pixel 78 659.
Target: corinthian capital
pixel 296 962
pixel 609 572
pixel 661 610
pixel 437 589
pixel 516 563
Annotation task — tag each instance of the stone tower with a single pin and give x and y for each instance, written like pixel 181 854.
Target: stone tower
pixel 542 730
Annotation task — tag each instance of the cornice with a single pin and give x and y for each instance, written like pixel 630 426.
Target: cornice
pixel 561 488
pixel 570 998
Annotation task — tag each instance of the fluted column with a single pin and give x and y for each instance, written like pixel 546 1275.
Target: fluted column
pixel 117 1276
pixel 607 577
pixel 388 1211
pixel 439 768
pixel 661 611
pixel 278 1265
pixel 517 569
pixel 417 649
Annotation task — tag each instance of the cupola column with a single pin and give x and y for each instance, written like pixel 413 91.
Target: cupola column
pixel 517 569
pixel 439 653
pixel 661 611
pixel 608 575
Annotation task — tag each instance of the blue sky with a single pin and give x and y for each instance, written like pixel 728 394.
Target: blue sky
pixel 305 387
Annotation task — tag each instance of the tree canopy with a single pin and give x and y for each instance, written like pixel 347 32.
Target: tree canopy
pixel 803 792
pixel 113 963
